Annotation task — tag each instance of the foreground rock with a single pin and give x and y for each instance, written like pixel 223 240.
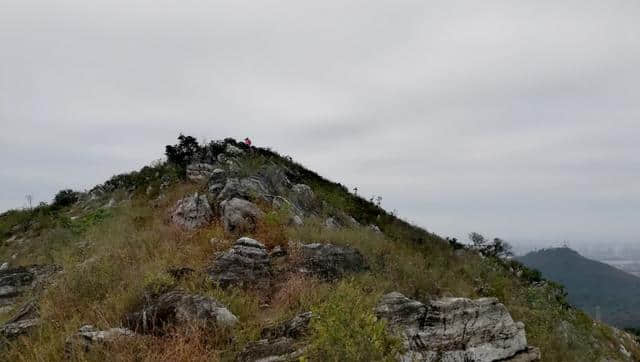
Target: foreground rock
pixel 18 280
pixel 246 263
pixel 280 342
pixel 88 336
pixel 179 308
pixel 329 261
pixel 24 320
pixel 192 212
pixel 240 216
pixel 456 329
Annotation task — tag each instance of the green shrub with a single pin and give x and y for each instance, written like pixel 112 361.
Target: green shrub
pixel 65 198
pixel 345 328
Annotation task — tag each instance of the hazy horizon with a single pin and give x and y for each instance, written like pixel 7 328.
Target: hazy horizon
pixel 515 120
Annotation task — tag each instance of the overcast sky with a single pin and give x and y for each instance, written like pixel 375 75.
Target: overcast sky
pixel 518 119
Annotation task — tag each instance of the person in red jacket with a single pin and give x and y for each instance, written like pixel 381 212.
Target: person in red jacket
pixel 247 141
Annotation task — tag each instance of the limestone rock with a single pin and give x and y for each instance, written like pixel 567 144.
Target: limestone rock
pixel 456 329
pixel 239 216
pixel 179 307
pixel 247 262
pixel 25 319
pixel 303 197
pixel 15 281
pixel 329 261
pixel 192 212
pixel 279 343
pixel 89 335
pixel 331 224
pixel 199 171
pixel 233 150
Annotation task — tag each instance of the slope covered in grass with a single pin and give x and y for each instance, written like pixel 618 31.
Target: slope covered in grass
pixel 116 244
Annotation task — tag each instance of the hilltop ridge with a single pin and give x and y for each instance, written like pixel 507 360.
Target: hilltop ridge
pixel 231 252
pixel 591 284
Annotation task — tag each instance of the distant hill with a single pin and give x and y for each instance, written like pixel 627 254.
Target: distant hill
pixel 590 284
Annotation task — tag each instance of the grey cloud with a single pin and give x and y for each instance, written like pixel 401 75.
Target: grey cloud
pixel 515 119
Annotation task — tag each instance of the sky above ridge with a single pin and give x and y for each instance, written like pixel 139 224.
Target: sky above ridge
pixel 514 119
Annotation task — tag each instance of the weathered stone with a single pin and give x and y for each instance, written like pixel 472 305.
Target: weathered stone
pixel 280 342
pixel 178 307
pixel 277 252
pixel 233 150
pixel 246 188
pixel 329 261
pixel 88 336
pixel 15 281
pixel 24 320
pixel 4 266
pixel 303 197
pixel 192 212
pixel 375 229
pixel 295 327
pixel 199 171
pixel 247 262
pixel 240 216
pixel 331 224
pixel 217 181
pixel 455 329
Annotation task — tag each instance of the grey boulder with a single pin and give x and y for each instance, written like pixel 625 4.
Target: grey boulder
pixel 240 216
pixel 280 342
pixel 88 336
pixel 246 263
pixel 18 280
pixel 192 212
pixel 329 261
pixel 24 320
pixel 178 308
pixel 199 171
pixel 456 330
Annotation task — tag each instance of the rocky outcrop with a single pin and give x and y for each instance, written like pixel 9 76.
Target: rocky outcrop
pixel 331 224
pixel 15 281
pixel 246 263
pixel 192 212
pixel 88 336
pixel 280 342
pixel 329 261
pixel 250 188
pixel 303 197
pixel 25 319
pixel 199 171
pixel 240 216
pixel 179 307
pixel 456 329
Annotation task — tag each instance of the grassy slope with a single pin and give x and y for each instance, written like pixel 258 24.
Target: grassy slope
pixel 591 283
pixel 112 256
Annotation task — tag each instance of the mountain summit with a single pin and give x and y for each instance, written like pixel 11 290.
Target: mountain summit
pixel 231 252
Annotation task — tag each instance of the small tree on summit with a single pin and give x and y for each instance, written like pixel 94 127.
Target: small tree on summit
pixel 184 152
pixel 497 248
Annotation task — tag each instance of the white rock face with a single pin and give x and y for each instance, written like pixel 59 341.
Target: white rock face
pixel 192 212
pixel 240 215
pixel 456 330
pixel 233 150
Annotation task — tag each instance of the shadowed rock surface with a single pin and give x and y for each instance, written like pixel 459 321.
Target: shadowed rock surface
pixel 456 329
pixel 279 342
pixel 15 281
pixel 247 262
pixel 88 336
pixel 199 171
pixel 192 212
pixel 178 307
pixel 239 216
pixel 25 319
pixel 329 261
